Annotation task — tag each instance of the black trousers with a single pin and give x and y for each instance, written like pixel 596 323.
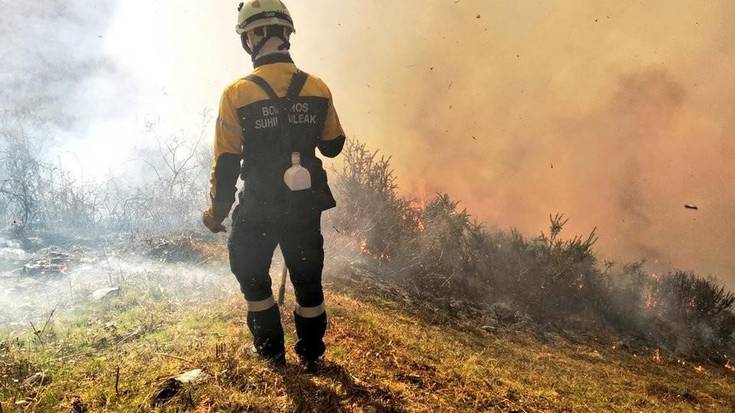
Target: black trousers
pixel 251 246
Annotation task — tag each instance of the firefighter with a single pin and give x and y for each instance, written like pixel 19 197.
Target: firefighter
pixel 269 127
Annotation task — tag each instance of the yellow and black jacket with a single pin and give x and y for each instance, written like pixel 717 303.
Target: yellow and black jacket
pixel 263 118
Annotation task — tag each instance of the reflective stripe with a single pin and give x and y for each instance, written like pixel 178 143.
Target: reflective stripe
pixel 311 312
pixel 257 306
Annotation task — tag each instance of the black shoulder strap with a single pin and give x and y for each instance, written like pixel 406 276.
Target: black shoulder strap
pixel 294 89
pixel 263 85
pixel 297 83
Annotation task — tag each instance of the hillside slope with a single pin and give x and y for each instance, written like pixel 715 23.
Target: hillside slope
pixel 118 354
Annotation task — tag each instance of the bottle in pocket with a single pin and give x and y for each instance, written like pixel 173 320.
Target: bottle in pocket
pixel 297 178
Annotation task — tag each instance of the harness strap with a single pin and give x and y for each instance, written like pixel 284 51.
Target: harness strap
pixel 298 80
pixel 263 84
pixel 297 84
pixel 294 89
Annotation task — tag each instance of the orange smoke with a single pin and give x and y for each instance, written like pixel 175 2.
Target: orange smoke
pixel 616 113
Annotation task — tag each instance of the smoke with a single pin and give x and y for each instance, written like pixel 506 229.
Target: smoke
pixel 55 74
pixel 614 113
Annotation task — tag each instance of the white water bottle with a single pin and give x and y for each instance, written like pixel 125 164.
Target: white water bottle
pixel 297 178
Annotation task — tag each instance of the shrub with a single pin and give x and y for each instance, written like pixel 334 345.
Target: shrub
pixel 439 250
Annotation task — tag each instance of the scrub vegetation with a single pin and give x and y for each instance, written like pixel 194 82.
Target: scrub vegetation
pixel 429 310
pixel 435 249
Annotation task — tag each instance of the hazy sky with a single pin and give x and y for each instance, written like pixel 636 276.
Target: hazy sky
pixel 616 113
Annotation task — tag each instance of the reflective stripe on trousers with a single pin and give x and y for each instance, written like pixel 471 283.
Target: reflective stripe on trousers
pixel 263 305
pixel 310 312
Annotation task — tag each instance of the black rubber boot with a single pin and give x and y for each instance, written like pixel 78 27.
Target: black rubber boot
pixel 310 346
pixel 267 332
pixel 278 360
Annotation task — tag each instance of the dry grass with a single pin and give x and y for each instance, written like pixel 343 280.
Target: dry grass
pixel 381 358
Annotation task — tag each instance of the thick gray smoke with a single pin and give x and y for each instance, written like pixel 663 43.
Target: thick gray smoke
pixel 55 73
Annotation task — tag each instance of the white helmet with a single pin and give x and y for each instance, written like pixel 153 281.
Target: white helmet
pixel 262 13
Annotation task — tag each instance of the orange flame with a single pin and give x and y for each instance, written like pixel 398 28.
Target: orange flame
pixel 420 225
pixel 365 250
pixel 729 367
pixel 657 357
pixel 650 300
pixel 699 369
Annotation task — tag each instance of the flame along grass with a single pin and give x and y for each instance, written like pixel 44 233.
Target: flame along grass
pixel 381 358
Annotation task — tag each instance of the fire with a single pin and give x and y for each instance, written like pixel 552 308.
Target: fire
pixel 650 300
pixel 729 366
pixel 650 293
pixel 699 369
pixel 657 357
pixel 420 225
pixel 365 250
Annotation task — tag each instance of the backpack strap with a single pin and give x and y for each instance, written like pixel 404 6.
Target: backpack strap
pixel 294 89
pixel 263 85
pixel 297 84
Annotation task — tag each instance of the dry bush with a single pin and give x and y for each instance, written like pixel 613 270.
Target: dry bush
pixel 369 206
pixel 447 253
pixel 21 180
pixel 698 309
pixel 167 194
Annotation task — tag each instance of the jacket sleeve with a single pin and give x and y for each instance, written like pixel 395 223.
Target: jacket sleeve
pixel 332 138
pixel 227 157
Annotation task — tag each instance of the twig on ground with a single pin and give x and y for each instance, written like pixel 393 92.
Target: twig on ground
pixel 117 382
pixel 174 357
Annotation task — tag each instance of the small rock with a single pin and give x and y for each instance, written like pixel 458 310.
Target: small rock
pixel 104 293
pixel 192 377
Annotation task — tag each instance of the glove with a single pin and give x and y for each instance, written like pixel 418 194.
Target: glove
pixel 214 216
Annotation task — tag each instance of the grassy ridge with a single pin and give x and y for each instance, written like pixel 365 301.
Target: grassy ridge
pixel 381 358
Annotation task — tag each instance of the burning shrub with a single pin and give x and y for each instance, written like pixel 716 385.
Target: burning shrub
pixel 447 255
pixel 696 311
pixel 438 250
pixel 370 209
pixel 553 277
pixel 694 299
